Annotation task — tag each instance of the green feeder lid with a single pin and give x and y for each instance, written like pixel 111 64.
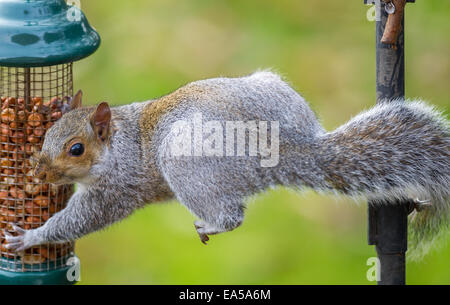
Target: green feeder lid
pixel 37 33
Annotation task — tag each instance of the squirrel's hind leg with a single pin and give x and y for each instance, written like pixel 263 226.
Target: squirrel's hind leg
pixel 215 217
pixel 205 191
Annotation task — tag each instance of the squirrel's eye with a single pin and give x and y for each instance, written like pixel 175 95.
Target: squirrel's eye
pixel 76 150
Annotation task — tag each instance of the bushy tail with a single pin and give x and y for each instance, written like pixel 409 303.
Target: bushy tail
pixel 396 150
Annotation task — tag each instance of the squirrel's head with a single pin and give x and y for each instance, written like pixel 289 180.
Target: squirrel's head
pixel 74 143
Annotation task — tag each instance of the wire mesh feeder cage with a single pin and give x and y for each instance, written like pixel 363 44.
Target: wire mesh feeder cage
pixel 31 100
pixel 39 40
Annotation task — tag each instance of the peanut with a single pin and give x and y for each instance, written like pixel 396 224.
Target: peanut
pixel 33 259
pixel 45 215
pixel 42 201
pixel 32 189
pixel 8 115
pixel 29 130
pixel 37 100
pixel 48 125
pixel 33 139
pixel 35 119
pixel 18 137
pixel 43 252
pixel 52 209
pixel 8 172
pixel 3 195
pixel 14 125
pixel 4 162
pixel 21 116
pixel 39 131
pixel 9 215
pixel 16 192
pixel 33 220
pixel 4 129
pixel 31 208
pixel 11 101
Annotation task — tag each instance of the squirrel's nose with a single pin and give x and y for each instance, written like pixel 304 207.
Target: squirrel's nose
pixel 40 172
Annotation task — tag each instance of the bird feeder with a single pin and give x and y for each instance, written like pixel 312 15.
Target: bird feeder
pixel 39 41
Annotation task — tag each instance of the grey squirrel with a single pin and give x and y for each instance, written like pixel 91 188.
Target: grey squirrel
pixel 123 158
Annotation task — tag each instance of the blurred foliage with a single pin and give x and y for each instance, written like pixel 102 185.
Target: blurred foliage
pixel 326 49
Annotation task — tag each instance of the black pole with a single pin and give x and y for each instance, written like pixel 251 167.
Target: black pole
pixel 387 228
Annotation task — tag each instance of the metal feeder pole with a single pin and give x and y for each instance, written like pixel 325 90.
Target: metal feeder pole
pixel 387 223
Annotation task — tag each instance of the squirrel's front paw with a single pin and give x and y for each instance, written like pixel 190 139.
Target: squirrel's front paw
pixel 23 240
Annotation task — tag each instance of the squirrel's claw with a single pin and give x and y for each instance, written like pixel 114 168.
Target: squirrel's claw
pixel 16 247
pixel 204 238
pixel 16 243
pixel 204 229
pixel 199 226
pixel 18 229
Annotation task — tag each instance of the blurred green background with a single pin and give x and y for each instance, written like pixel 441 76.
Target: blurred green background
pixel 326 49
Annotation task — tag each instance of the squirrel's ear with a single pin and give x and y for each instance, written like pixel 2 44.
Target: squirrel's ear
pixel 101 121
pixel 76 100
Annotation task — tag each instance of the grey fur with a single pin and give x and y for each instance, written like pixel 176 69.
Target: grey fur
pixel 395 150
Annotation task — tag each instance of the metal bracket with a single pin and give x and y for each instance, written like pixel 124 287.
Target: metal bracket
pixel 368 2
pixel 393 26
